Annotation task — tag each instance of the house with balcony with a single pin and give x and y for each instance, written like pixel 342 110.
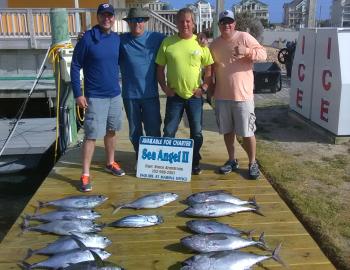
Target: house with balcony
pixel 203 12
pixel 340 13
pixel 257 8
pixel 295 14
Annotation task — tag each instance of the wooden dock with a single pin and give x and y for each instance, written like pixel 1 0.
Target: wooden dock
pixel 158 247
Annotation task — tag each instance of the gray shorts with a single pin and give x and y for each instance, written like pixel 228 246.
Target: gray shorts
pixel 102 115
pixel 235 116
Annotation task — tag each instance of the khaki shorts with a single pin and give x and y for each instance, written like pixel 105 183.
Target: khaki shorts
pixel 235 116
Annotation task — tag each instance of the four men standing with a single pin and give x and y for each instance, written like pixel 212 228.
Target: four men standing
pixel 99 52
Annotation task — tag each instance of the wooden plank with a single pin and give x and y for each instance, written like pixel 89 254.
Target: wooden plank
pixel 159 247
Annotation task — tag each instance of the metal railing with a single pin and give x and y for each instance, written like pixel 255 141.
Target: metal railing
pixel 33 25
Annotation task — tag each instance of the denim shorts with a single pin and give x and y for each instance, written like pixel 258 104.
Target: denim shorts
pixel 102 115
pixel 235 116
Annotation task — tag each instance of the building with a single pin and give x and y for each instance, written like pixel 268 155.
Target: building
pixel 295 14
pixel 257 8
pixel 77 3
pixel 203 12
pixel 340 13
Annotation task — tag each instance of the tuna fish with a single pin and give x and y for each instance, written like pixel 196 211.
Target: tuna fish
pixel 153 200
pixel 228 260
pixel 65 215
pixel 82 201
pixel 218 209
pixel 136 221
pixel 209 226
pixel 67 243
pixel 64 227
pixel 217 195
pixel 219 241
pixel 65 259
pixel 97 264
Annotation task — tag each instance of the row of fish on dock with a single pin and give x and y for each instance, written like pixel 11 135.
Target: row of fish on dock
pixel 216 243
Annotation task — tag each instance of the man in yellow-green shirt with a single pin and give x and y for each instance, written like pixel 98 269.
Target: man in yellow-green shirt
pixel 184 59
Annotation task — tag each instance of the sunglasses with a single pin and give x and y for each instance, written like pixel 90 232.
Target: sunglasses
pixel 136 20
pixel 224 22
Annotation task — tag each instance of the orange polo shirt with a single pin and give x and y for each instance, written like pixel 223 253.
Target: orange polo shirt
pixel 234 76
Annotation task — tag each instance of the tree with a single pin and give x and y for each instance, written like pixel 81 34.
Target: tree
pixel 265 23
pixel 247 23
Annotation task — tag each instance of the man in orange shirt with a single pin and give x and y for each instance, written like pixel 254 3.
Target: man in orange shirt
pixel 234 53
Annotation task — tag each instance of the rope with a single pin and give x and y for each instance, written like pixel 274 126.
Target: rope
pixel 54 54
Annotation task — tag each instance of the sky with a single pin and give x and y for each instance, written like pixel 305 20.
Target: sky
pixel 275 7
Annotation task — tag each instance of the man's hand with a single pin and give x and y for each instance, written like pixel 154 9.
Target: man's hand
pixel 198 92
pixel 202 39
pixel 81 102
pixel 80 35
pixel 168 91
pixel 240 50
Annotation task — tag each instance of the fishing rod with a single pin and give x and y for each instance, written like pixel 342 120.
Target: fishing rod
pixel 24 105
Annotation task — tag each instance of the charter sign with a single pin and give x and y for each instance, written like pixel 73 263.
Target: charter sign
pixel 167 159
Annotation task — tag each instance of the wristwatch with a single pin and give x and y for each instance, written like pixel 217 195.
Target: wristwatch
pixel 204 91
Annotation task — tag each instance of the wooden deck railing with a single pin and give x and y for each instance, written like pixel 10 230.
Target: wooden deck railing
pixel 34 24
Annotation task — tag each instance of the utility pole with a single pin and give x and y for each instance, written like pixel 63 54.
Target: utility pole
pixel 219 8
pixel 310 13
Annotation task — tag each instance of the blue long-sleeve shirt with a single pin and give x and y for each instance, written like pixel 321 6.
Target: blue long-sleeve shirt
pixel 137 64
pixel 97 53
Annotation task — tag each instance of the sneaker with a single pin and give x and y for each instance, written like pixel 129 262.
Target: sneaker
pixel 254 172
pixel 114 169
pixel 196 170
pixel 85 185
pixel 229 166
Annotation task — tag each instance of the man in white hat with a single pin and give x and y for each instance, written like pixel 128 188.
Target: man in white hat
pixel 234 53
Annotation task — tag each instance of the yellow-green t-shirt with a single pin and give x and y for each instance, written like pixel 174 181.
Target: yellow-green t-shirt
pixel 184 59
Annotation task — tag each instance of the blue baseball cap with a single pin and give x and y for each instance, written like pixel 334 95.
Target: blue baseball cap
pixel 103 8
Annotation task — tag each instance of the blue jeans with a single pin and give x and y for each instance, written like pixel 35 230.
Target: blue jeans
pixel 146 112
pixel 175 106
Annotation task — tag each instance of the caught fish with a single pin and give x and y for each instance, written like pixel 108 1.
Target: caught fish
pixel 64 227
pixel 88 214
pixel 219 196
pixel 67 243
pixel 136 221
pixel 210 226
pixel 65 259
pixel 153 200
pixel 92 265
pixel 81 201
pixel 97 264
pixel 203 243
pixel 218 209
pixel 228 260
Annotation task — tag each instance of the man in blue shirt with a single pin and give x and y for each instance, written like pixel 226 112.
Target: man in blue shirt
pixel 138 50
pixel 97 53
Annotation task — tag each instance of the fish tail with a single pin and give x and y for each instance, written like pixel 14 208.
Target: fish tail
pixel 252 201
pixel 40 205
pixel 248 233
pixel 116 208
pixel 24 265
pixel 257 211
pixel 276 257
pixel 262 242
pixel 30 253
pixel 25 224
